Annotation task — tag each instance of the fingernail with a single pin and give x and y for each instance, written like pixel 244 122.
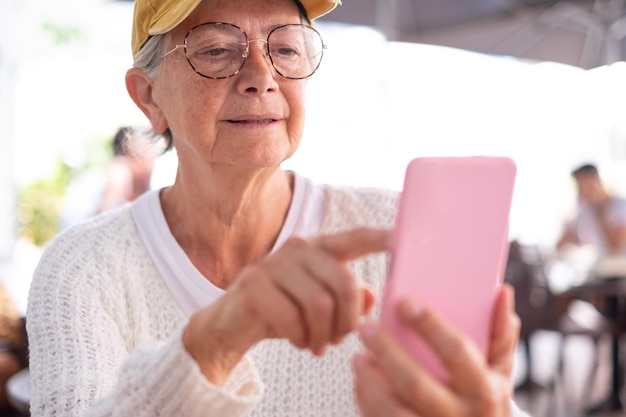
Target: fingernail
pixel 412 308
pixel 339 340
pixel 367 331
pixel 321 351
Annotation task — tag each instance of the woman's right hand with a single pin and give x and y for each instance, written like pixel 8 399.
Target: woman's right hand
pixel 304 292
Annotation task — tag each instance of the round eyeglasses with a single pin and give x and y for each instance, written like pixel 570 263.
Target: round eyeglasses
pixel 219 50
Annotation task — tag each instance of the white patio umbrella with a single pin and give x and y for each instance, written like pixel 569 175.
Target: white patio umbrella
pixel 586 33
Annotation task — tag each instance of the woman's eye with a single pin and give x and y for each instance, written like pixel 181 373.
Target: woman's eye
pixel 214 51
pixel 286 51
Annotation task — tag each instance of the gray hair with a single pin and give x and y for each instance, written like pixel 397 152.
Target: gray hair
pixel 149 56
pixel 148 60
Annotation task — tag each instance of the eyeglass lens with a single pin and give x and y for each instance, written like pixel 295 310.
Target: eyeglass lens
pixel 219 50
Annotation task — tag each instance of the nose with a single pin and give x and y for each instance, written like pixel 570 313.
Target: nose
pixel 257 74
pixel 264 46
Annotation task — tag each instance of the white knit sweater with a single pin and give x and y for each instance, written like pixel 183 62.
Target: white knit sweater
pixel 105 332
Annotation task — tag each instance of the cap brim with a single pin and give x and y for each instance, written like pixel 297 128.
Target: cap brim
pixel 172 16
pixel 318 8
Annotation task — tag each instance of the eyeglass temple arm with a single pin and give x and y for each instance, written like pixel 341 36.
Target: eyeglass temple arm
pixel 177 47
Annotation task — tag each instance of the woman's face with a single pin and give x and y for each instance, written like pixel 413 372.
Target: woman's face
pixel 252 120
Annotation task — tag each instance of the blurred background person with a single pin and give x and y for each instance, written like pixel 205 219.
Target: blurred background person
pixel 593 241
pixel 127 176
pixel 600 218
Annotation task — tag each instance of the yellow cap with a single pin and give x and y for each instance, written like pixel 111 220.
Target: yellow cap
pixel 155 17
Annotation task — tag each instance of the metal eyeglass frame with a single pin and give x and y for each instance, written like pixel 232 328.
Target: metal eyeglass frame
pixel 246 53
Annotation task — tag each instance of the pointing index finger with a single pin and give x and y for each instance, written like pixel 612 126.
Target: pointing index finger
pixel 355 243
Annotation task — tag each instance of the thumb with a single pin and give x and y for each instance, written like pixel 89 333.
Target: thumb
pixel 504 331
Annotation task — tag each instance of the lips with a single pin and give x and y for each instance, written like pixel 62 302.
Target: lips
pixel 255 118
pixel 259 121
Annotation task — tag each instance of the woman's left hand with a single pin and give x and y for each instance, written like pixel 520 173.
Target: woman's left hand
pixel 389 383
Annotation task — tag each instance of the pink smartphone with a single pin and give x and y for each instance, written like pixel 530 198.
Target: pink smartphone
pixel 450 245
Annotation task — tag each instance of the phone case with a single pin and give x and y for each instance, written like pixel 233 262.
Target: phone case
pixel 450 245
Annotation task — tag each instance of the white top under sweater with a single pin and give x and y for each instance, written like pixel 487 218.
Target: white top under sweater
pixel 189 287
pixel 105 332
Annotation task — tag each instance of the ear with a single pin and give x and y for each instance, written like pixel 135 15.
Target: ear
pixel 140 88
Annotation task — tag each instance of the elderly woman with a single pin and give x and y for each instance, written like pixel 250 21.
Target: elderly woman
pixel 240 289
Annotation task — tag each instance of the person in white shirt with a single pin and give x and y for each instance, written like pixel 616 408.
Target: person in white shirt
pixel 600 218
pixel 243 288
pixel 599 225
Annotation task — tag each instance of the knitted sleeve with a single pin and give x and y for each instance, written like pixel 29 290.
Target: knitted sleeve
pixel 163 380
pixel 91 305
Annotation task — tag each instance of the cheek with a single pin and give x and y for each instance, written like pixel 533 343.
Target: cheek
pixel 185 100
pixel 297 114
pixel 296 123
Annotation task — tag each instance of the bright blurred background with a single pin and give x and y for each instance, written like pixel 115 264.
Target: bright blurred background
pixel 374 105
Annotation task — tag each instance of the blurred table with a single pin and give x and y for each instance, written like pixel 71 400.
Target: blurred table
pixel 608 295
pixel 18 391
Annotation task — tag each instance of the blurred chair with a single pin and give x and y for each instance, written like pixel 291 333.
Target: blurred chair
pixel 541 309
pixel 608 296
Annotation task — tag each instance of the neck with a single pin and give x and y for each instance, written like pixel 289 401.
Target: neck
pixel 224 225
